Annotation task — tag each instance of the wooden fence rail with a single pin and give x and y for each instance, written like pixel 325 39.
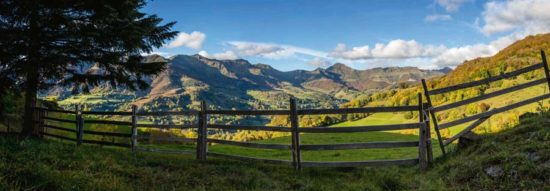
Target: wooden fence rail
pixel 481 117
pixel 203 128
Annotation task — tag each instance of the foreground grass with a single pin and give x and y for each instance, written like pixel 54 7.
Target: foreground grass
pixel 49 165
pixel 521 155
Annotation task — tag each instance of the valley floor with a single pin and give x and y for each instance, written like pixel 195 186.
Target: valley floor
pixel 514 159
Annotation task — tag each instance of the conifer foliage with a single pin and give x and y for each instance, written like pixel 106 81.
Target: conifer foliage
pixel 48 42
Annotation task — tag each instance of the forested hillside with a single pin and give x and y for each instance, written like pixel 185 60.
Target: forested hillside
pixel 521 54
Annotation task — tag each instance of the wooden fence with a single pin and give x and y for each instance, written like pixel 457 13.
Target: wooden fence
pixel 423 144
pixel 481 117
pixel 425 111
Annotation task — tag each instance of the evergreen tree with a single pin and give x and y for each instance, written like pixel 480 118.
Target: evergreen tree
pixel 45 42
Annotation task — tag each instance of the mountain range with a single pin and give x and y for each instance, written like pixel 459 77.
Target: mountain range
pixel 231 84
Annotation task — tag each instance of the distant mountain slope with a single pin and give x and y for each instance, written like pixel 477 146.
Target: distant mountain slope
pixel 240 84
pixel 518 55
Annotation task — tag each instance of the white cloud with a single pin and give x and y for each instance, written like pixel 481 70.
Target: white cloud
pixel 319 62
pixel 531 16
pixel 519 18
pixel 227 55
pixel 454 56
pixel 193 40
pixel 451 5
pixel 437 17
pixel 271 50
pixel 395 49
pixel 457 55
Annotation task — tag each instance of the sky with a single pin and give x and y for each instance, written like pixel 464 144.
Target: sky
pixel 307 34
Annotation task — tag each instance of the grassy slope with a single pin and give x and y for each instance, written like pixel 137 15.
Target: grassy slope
pixel 523 153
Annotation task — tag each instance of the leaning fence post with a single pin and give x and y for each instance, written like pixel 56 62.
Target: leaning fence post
pixel 202 146
pixel 297 158
pixel 422 135
pixel 79 125
pixel 134 128
pixel 434 118
pixel 545 64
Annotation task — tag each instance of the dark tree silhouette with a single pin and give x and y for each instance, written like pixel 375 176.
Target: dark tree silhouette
pixel 47 42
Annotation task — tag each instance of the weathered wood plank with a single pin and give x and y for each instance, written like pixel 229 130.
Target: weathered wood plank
pixel 486 80
pixel 134 128
pixel 109 122
pixel 294 126
pixel 60 128
pixel 356 110
pixel 79 124
pixel 165 151
pixel 249 127
pixel 360 128
pixel 59 136
pixel 106 113
pixel 248 112
pixel 112 134
pixel 175 139
pixel 494 111
pixel 126 145
pixel 202 145
pixel 464 131
pixel 488 95
pixel 243 158
pixel 432 114
pixel 422 153
pixel 169 126
pixel 368 145
pixel 546 69
pixel 161 113
pixel 60 120
pixel 251 145
pixel 362 163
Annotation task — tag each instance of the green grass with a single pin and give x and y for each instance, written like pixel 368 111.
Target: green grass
pixel 523 154
pixel 336 155
pixel 377 119
pixel 339 138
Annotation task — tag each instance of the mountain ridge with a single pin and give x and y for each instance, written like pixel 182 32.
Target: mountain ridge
pixel 241 84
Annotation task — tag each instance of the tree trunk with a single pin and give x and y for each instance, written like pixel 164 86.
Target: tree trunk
pixel 31 83
pixel 31 89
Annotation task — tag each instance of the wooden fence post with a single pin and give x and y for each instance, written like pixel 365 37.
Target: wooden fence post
pixel 35 121
pixel 79 125
pixel 198 147
pixel 296 155
pixel 202 137
pixel 545 65
pixel 41 115
pixel 429 147
pixel 436 127
pixel 421 136
pixel 134 128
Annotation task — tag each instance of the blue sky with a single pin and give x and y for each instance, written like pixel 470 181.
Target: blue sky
pixel 308 34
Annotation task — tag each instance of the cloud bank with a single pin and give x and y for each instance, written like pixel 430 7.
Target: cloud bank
pixel 193 40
